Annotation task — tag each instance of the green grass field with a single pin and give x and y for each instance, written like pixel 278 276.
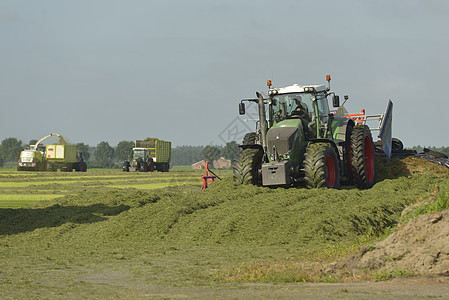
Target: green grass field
pixel 132 235
pixel 22 189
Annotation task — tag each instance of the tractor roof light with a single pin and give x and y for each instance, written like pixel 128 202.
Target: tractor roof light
pixel 269 83
pixel 272 92
pixel 309 89
pixel 328 78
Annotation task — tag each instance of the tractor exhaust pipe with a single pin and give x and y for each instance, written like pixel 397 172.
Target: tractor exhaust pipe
pixel 263 122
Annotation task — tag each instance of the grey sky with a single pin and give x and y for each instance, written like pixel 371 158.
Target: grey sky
pixel 103 70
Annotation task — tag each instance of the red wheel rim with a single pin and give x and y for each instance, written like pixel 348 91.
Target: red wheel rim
pixel 369 158
pixel 330 171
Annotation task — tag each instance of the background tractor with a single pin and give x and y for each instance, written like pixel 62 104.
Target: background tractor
pixel 149 155
pixel 302 141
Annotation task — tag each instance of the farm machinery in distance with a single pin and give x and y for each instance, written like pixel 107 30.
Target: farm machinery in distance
pixel 149 155
pixel 302 140
pixel 63 156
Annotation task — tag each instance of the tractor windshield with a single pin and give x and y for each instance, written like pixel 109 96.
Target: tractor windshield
pixel 139 153
pixel 284 106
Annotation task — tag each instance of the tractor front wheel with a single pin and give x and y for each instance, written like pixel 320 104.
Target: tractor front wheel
pixel 362 157
pixel 250 138
pixel 126 167
pixel 321 166
pixel 247 164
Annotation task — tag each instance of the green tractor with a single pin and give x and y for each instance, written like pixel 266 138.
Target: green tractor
pixel 302 141
pixel 149 155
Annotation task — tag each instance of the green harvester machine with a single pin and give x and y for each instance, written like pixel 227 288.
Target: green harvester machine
pixel 63 156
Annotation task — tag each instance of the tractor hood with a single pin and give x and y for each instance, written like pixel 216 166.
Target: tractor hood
pixel 282 139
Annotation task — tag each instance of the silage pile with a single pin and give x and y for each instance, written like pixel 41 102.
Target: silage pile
pixel 420 245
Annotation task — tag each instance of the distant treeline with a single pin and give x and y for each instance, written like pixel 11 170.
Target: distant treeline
pixel 105 156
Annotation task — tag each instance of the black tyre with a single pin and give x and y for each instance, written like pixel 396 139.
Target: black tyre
pixel 143 167
pixel 247 164
pixel 347 168
pixel 250 138
pixel 396 145
pixel 321 166
pixel 84 165
pixel 362 157
pixel 125 166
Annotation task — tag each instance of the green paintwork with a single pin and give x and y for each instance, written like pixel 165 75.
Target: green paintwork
pixel 296 122
pixel 335 125
pixel 299 145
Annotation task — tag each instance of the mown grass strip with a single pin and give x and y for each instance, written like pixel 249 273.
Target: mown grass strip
pixel 17 201
pixel 15 184
pixel 106 177
pixel 153 186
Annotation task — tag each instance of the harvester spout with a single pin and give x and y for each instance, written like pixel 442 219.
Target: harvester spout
pixel 46 137
pixel 263 121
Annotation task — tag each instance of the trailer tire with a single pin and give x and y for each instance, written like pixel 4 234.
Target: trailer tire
pixel 321 166
pixel 396 145
pixel 247 164
pixel 362 157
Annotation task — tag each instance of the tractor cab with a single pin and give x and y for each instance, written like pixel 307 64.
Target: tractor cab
pixel 139 153
pixel 309 103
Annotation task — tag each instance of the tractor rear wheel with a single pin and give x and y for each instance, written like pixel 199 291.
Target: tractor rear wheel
pixel 144 167
pixel 247 164
pixel 362 157
pixel 321 166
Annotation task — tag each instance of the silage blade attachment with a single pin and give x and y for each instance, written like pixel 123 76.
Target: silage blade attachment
pixel 385 129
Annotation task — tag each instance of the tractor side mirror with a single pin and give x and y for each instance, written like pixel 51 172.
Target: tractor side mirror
pixel 241 108
pixel 336 101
